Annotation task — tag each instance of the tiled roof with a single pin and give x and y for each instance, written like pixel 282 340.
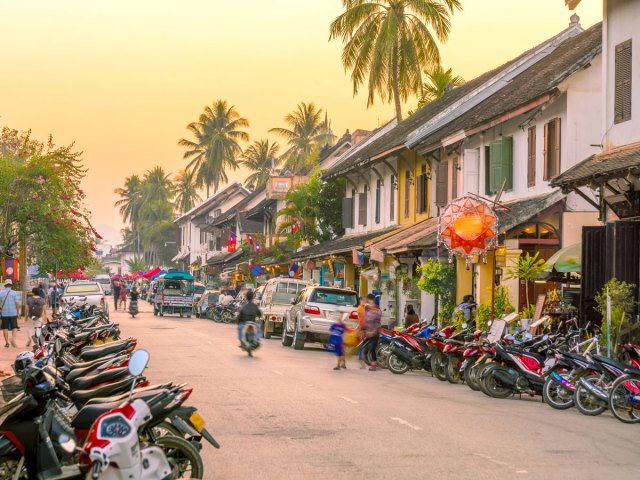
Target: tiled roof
pixel 337 245
pixel 224 258
pixel 600 167
pixel 208 204
pixel 401 240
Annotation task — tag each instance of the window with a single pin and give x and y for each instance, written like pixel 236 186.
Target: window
pixel 421 188
pixel 531 157
pixel 203 237
pixel 378 195
pixel 334 297
pixel 442 183
pixel 501 164
pixel 622 102
pixel 347 212
pixel 83 288
pixel 552 149
pixel 353 206
pixel 454 178
pixel 362 207
pixel 392 198
pixel 407 193
pixel 217 212
pixel 487 170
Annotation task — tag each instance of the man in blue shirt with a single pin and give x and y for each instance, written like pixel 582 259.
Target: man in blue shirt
pixel 10 302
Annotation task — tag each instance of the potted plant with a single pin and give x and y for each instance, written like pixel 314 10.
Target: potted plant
pixel 527 269
pixel 622 304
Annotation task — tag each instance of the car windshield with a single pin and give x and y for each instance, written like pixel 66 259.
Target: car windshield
pixel 213 297
pixel 176 287
pixel 85 288
pixel 334 297
pixel 104 281
pixel 199 289
pixel 285 291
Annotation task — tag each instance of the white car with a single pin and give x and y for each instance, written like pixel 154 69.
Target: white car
pixel 105 283
pixel 86 292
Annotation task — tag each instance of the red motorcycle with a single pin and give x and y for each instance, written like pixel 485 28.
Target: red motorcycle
pixel 455 350
pixel 437 356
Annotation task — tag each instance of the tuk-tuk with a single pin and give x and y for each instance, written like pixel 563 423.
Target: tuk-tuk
pixel 174 293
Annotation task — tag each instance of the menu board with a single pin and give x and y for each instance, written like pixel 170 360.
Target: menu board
pixel 539 306
pixel 497 329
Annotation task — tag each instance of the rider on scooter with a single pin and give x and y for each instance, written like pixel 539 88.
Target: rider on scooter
pixel 248 313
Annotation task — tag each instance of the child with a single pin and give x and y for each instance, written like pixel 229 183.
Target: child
pixel 123 298
pixel 336 342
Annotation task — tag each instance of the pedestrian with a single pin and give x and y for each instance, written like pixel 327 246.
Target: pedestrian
pixel 35 314
pixel 411 317
pixel 466 307
pixel 123 298
pixel 10 303
pixel 117 286
pixel 371 326
pixel 360 312
pixel 336 341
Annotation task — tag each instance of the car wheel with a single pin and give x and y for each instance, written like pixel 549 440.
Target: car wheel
pixel 155 311
pixel 298 338
pixel 287 339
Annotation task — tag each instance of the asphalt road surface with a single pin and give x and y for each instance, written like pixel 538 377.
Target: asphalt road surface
pixel 286 414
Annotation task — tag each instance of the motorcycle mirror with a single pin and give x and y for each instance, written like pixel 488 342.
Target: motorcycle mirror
pixel 68 316
pixel 528 336
pixel 58 345
pixel 464 325
pixel 545 337
pixel 138 362
pixel 67 443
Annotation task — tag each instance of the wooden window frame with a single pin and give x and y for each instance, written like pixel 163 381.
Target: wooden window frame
pixel 552 152
pixel 623 74
pixel 392 198
pixel 407 194
pixel 378 201
pixel 531 156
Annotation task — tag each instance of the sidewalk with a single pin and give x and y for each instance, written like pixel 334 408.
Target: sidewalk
pixel 8 355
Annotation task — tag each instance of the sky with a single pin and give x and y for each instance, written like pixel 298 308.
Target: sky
pixel 122 79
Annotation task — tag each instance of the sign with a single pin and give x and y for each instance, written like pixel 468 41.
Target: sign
pixel 539 307
pixel 497 329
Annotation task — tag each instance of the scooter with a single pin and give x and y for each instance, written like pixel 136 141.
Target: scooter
pixel 133 308
pixel 250 337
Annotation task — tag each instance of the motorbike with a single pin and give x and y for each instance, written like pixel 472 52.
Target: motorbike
pixel 250 337
pixel 133 308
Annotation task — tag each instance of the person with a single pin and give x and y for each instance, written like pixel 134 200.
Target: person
pixel 117 286
pixel 336 341
pixel 360 312
pixel 466 306
pixel 371 326
pixel 35 314
pixel 225 299
pixel 134 295
pixel 54 298
pixel 248 313
pixel 123 298
pixel 11 303
pixel 411 317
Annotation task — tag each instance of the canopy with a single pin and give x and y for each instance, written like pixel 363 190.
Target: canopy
pixel 161 272
pixel 178 276
pixel 152 273
pixel 567 259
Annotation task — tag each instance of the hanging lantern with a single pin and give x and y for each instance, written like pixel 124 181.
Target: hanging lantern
pixel 467 227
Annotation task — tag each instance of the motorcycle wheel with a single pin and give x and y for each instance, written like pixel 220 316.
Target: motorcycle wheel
pixel 382 355
pixel 481 373
pixel 396 365
pixel 620 406
pixel 452 371
pixel 8 466
pixel 494 388
pixel 471 377
pixel 586 403
pixel 555 395
pixel 184 459
pixel 439 365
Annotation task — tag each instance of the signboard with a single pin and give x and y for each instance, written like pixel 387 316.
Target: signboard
pixel 496 331
pixel 539 307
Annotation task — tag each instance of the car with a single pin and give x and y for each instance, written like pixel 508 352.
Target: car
pixel 105 282
pixel 314 310
pixel 209 297
pixel 275 299
pixel 85 292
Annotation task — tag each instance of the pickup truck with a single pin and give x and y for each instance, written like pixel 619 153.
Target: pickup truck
pixel 275 300
pixel 89 293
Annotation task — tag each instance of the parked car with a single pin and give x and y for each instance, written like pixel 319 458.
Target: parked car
pixel 105 283
pixel 275 299
pixel 314 310
pixel 209 297
pixel 85 292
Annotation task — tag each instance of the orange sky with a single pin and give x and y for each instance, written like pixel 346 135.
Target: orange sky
pixel 123 78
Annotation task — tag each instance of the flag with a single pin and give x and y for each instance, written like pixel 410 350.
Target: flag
pixel 294 270
pixel 295 229
pixel 231 243
pixel 377 255
pixel 250 240
pixel 256 247
pixel 357 257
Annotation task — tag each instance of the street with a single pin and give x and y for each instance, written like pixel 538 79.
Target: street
pixel 286 414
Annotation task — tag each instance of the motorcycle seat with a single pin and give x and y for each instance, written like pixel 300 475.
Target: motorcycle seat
pixel 68 366
pixel 81 372
pixel 575 356
pixel 143 393
pixel 94 352
pixel 80 397
pixel 88 381
pixel 609 361
pixel 89 413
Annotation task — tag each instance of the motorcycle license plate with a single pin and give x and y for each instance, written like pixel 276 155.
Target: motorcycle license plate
pixel 197 421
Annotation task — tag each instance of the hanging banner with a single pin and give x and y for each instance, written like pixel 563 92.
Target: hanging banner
pixel 357 257
pixel 377 255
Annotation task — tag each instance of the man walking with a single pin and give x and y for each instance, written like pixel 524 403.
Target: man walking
pixel 371 327
pixel 10 306
pixel 117 286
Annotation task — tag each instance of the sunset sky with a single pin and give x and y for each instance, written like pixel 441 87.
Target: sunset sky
pixel 123 78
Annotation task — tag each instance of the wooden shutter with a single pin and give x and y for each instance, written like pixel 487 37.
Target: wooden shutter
pixel 347 212
pixel 378 195
pixel 487 169
pixel 454 178
pixel 470 171
pixel 442 183
pixel 420 194
pixel 556 144
pixel 545 173
pixel 531 157
pixel 622 102
pixel 362 208
pixel 507 162
pixel 495 166
pixel 392 198
pixel 407 194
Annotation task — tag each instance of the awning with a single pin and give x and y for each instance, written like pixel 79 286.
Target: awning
pixel 413 237
pixel 338 245
pixel 224 257
pixel 179 276
pixel 179 257
pixel 567 259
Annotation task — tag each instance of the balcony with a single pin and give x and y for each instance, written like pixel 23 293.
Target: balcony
pixel 278 186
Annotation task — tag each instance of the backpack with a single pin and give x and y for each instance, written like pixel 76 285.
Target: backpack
pixel 36 306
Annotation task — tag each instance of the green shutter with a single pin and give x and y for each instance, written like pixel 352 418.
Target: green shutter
pixel 507 162
pixel 495 165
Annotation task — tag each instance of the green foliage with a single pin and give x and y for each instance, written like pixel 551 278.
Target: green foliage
pixel 437 80
pixel 622 304
pixel 527 269
pixel 438 278
pixel 388 42
pixel 186 191
pixel 136 264
pixel 483 315
pixel 459 319
pixel 502 302
pixel 259 158
pixel 528 311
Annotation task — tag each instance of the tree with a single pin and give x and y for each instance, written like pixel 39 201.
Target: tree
pixel 306 130
pixel 136 264
pixel 186 191
pixel 261 157
pixel 527 269
pixel 130 204
pixel 437 81
pixel 390 42
pixel 216 147
pixel 438 278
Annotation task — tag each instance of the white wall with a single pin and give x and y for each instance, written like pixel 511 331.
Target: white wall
pixel 622 22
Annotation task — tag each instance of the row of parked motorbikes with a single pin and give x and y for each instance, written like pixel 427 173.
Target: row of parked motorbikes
pixel 564 366
pixel 79 407
pixel 224 313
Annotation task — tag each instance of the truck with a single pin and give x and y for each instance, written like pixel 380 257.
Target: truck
pixel 275 300
pixel 174 294
pixel 105 282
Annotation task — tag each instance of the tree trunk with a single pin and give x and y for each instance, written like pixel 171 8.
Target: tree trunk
pixel 526 294
pixel 207 190
pixel 394 81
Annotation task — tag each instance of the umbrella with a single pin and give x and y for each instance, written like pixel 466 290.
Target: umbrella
pixel 567 259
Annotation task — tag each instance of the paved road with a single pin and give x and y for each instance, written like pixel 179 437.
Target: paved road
pixel 286 414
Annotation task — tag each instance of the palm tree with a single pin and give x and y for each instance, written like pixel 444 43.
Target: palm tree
pixel 390 41
pixel 261 157
pixel 186 191
pixel 130 204
pixel 136 264
pixel 216 147
pixel 437 81
pixel 306 130
pixel 156 188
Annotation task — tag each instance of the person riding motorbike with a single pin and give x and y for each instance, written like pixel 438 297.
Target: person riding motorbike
pixel 248 313
pixel 133 303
